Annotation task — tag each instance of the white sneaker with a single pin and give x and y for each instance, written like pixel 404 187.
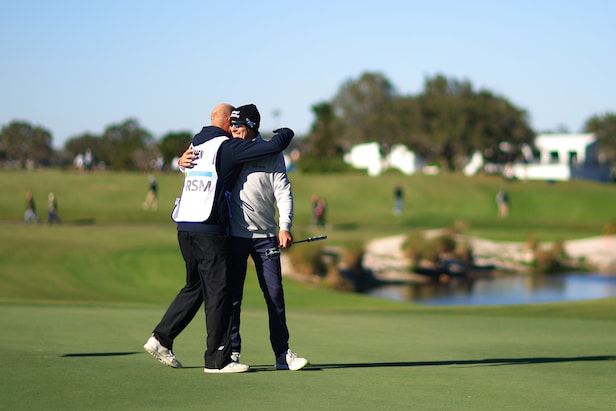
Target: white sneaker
pixel 235 356
pixel 161 353
pixel 290 361
pixel 232 367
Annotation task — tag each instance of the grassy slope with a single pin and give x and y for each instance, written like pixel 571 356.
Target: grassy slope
pixel 358 205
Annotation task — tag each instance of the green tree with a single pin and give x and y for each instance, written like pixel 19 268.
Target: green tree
pixel 444 124
pixel 500 127
pixel 458 121
pixel 445 121
pixel 362 107
pixel 404 124
pixel 323 151
pixel 131 146
pixel 604 127
pixel 22 142
pixel 174 144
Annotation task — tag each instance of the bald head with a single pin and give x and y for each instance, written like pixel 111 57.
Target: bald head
pixel 220 116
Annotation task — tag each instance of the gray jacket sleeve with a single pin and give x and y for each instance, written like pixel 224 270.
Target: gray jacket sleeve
pixel 283 195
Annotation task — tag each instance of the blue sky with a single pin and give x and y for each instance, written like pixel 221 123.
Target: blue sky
pixel 75 66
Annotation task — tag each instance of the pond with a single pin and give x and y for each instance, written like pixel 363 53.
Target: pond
pixel 514 289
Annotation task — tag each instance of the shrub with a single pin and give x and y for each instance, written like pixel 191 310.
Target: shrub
pixel 417 248
pixel 308 260
pixel 545 262
pixel 464 252
pixel 352 256
pixel 550 260
pixel 532 242
pixel 335 280
pixel 413 246
pixel 445 243
pixel 610 228
pixel 460 226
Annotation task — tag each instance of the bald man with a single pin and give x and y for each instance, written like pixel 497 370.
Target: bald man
pixel 202 218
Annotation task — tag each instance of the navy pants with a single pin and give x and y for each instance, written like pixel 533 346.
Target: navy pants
pixel 269 274
pixel 205 256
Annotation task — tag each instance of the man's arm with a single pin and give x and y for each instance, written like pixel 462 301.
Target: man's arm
pixel 284 202
pixel 244 151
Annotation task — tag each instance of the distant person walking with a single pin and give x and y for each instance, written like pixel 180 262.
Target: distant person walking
pixel 315 201
pixel 319 211
pixel 88 160
pixel 52 210
pixel 398 199
pixel 151 200
pixel 502 201
pixel 30 213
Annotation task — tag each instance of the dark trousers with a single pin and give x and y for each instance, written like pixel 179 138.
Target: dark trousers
pixel 269 274
pixel 205 256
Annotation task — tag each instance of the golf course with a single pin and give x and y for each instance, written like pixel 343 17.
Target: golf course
pixel 79 299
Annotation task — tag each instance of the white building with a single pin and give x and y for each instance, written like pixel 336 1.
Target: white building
pixel 571 149
pixel 563 157
pixel 369 156
pixel 559 157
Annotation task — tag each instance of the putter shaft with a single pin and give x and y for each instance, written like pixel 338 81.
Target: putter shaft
pixel 310 239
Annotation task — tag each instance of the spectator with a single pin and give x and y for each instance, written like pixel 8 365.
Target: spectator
pixel 398 199
pixel 502 200
pixel 52 210
pixel 88 160
pixel 319 211
pixel 30 213
pixel 151 200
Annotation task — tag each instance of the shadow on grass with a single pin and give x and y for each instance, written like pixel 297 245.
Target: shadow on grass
pixel 319 367
pixel 81 221
pixel 101 354
pixel 485 362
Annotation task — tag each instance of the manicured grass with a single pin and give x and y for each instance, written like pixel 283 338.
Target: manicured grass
pixel 77 302
pixel 90 357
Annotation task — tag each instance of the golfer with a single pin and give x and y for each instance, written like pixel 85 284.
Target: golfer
pixel 262 187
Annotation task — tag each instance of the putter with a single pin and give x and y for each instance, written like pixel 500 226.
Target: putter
pixel 275 252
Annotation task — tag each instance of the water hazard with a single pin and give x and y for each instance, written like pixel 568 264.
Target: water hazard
pixel 518 289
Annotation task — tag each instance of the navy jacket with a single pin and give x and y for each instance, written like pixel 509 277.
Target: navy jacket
pixel 232 154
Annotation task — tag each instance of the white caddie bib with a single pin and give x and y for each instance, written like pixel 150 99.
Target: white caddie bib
pixel 198 194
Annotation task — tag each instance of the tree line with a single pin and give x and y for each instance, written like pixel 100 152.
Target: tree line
pixel 445 124
pixel 123 146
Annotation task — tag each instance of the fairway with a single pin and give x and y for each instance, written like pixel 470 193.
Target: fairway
pixel 79 300
pixel 80 357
